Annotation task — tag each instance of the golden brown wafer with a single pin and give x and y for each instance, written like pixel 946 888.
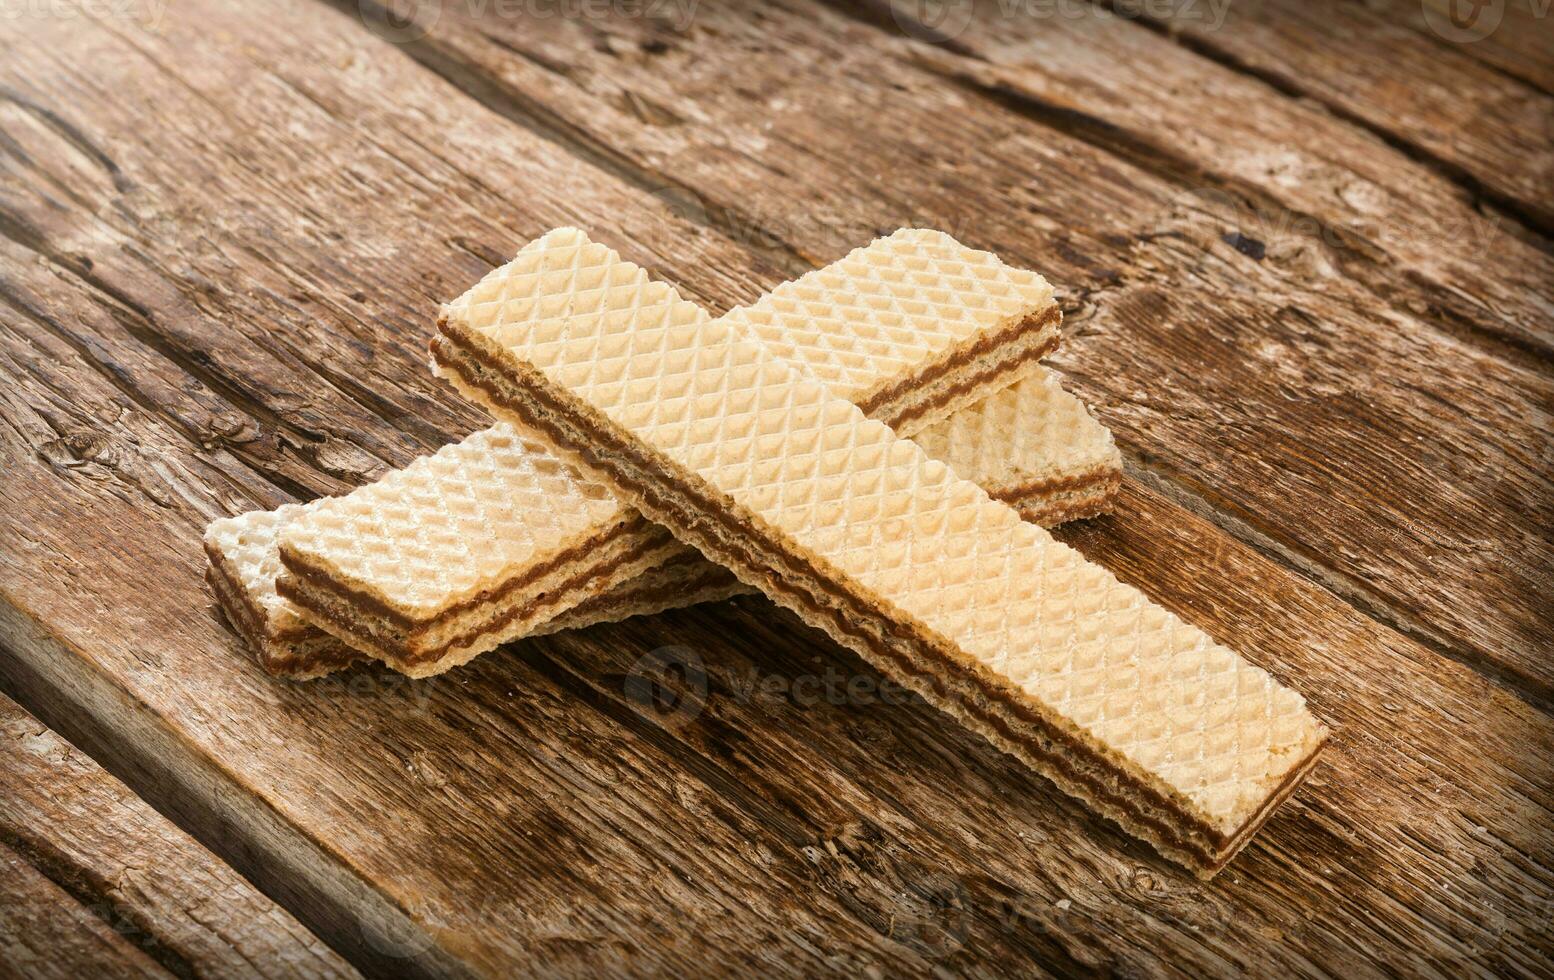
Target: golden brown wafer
pixel 1118 701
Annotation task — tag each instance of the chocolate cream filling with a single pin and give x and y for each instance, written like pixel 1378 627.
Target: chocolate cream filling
pixel 1049 316
pixel 1062 499
pixel 658 596
pixel 324 582
pixel 1059 484
pixel 1203 842
pixel 248 621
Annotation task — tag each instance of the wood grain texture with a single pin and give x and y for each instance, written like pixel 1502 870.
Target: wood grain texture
pixel 1518 45
pixel 45 934
pixel 1279 170
pixel 222 248
pixel 1278 330
pixel 1382 65
pixel 106 854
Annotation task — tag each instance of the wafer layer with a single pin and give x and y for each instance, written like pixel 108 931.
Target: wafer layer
pixel 244 559
pixel 1033 446
pixel 436 563
pixel 1118 701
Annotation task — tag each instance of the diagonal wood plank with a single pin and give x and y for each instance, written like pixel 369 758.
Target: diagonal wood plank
pixel 44 934
pixel 1516 43
pixel 1364 207
pixel 529 811
pixel 1336 389
pixel 1384 66
pixel 132 873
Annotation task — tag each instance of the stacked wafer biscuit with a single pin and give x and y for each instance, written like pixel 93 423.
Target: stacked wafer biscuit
pixel 859 532
pixel 494 538
pixel 649 455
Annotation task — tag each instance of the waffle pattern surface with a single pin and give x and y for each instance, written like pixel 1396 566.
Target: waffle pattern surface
pixel 885 314
pixel 454 525
pixel 1029 433
pixel 669 403
pixel 247 542
pixel 458 525
pixel 245 560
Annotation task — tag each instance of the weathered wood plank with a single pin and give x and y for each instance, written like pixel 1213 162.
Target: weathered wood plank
pixel 527 810
pixel 870 802
pixel 132 872
pixel 1277 328
pixel 1383 65
pixel 1519 43
pixel 44 934
pixel 1347 197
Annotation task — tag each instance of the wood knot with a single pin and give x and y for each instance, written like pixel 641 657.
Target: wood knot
pixel 77 449
pixel 1145 883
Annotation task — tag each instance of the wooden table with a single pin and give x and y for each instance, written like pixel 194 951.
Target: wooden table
pixel 1305 259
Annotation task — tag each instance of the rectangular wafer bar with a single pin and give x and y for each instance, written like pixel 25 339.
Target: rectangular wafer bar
pixel 856 530
pixel 1032 445
pixel 429 567
pixel 243 555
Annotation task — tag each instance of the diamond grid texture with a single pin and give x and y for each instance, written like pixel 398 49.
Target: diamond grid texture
pixel 1030 431
pixel 889 310
pixel 438 533
pixel 249 542
pixel 878 316
pixel 455 523
pixel 1130 676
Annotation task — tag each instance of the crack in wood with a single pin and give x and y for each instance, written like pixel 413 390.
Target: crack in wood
pixel 492 92
pixel 1354 591
pixel 78 881
pixel 71 135
pixel 1362 261
pixel 1537 225
pixel 122 381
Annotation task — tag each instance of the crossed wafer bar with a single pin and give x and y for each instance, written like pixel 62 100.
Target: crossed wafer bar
pixel 494 538
pixel 863 535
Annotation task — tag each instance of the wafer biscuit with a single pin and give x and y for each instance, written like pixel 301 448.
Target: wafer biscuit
pixel 832 515
pixel 1033 446
pixel 243 561
pixel 914 323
